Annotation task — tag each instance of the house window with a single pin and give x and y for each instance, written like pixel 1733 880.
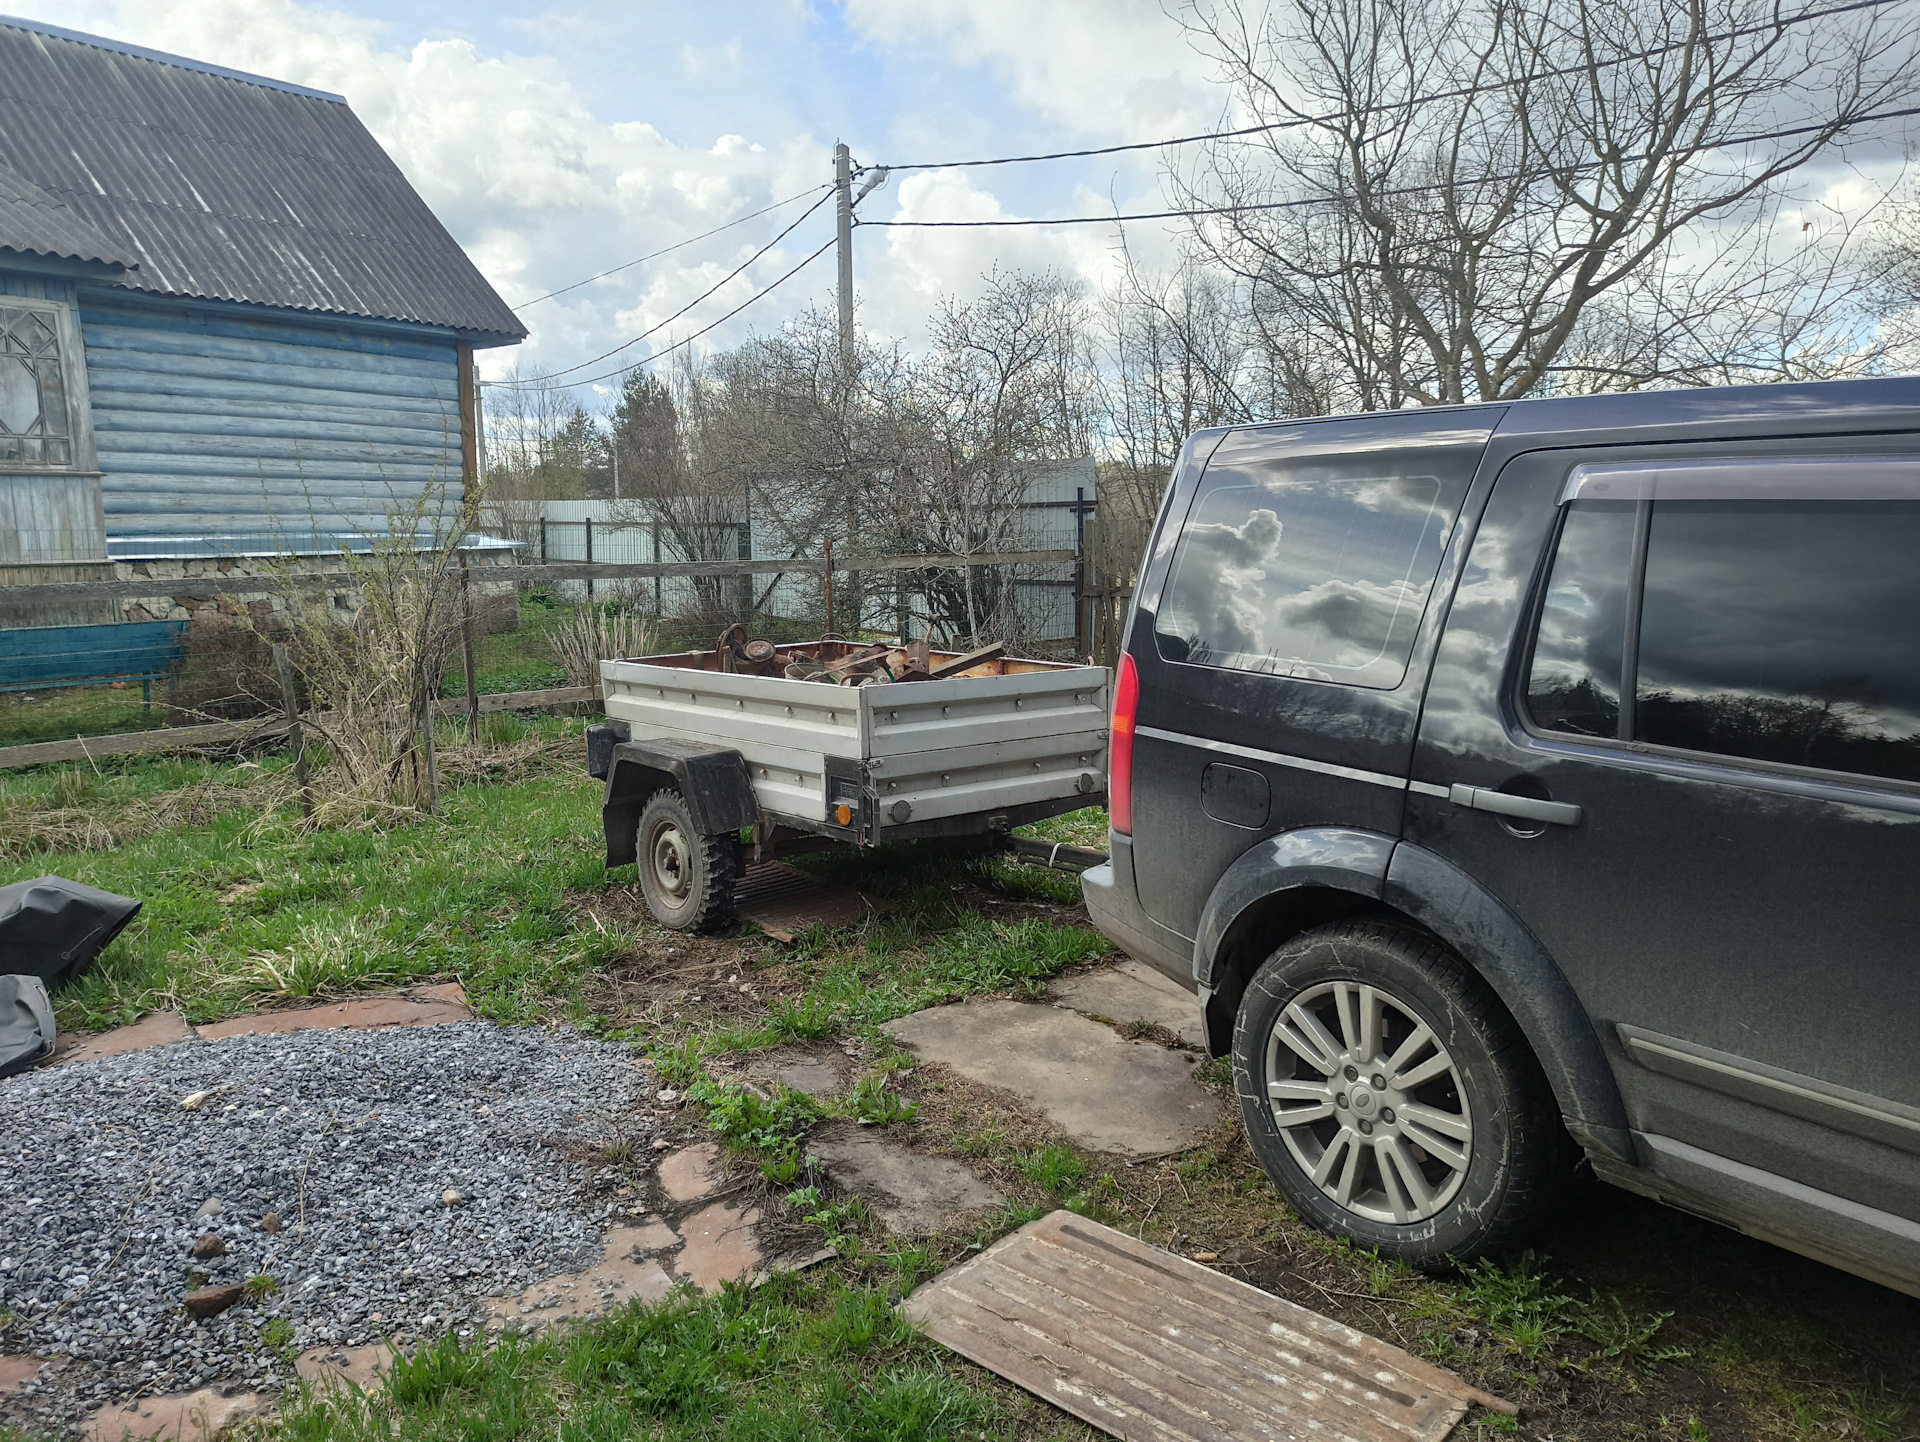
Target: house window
pixel 36 424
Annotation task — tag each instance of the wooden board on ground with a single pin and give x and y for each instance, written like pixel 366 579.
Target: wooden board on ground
pixel 256 732
pixel 784 902
pixel 1147 1345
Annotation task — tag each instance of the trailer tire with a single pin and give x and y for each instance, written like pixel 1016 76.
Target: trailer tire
pixel 686 878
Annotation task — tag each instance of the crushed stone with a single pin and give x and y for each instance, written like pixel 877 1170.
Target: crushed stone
pixel 354 1138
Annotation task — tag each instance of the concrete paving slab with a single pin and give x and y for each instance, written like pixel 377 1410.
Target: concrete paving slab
pixel 687 1175
pixel 184 1417
pixel 1134 991
pixel 914 1195
pixel 721 1245
pixel 1107 1093
pixel 365 1014
pixel 820 1074
pixel 159 1028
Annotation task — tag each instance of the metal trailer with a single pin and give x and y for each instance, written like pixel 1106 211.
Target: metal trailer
pixel 697 760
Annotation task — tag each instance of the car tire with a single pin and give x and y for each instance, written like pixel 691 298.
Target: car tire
pixel 1433 1137
pixel 685 878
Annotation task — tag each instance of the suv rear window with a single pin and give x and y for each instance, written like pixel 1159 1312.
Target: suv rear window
pixel 1776 630
pixel 1314 568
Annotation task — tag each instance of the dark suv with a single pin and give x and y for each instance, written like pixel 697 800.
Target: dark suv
pixel 1504 774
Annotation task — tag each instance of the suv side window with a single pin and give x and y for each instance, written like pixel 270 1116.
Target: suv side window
pixel 1316 568
pixel 1768 625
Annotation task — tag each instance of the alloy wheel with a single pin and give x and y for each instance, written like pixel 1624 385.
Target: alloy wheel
pixel 1369 1102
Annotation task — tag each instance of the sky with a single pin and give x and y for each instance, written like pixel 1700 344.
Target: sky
pixel 555 143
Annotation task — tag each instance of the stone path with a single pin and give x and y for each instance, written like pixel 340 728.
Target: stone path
pixel 914 1195
pixel 1106 1093
pixel 817 1072
pixel 1067 1059
pixel 190 1417
pixel 1134 991
pixel 418 1006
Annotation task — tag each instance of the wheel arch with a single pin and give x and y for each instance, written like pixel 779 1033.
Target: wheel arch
pixel 1277 889
pixel 1441 899
pixel 713 780
pixel 1290 883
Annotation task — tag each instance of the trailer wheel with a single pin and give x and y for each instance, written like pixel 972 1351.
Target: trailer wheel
pixel 686 878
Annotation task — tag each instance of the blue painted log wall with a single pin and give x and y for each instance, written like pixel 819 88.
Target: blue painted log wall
pixel 238 422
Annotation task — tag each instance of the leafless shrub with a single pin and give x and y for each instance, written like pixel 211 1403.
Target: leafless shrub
pixel 370 675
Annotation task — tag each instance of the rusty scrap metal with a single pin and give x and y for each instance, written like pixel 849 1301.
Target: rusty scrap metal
pixel 835 661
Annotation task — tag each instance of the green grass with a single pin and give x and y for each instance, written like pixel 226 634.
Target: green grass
pixel 854 983
pixel 70 711
pixel 801 1358
pixel 1076 828
pixel 520 660
pixel 1055 1169
pixel 246 910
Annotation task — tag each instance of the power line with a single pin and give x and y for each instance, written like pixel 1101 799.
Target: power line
pixel 731 275
pixel 689 340
pixel 1397 190
pixel 677 245
pixel 1461 93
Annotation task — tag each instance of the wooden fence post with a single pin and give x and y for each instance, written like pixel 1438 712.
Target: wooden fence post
pixel 466 638
pixel 829 584
pixel 296 740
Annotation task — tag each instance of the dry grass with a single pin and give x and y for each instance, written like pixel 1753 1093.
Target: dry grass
pixel 74 815
pixel 591 634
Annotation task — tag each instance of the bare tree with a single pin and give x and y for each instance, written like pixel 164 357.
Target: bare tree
pixel 1478 202
pixel 1175 355
pixel 1008 383
pixel 527 417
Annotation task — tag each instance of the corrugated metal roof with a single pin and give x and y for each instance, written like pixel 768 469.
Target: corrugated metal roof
pixel 229 187
pixel 36 223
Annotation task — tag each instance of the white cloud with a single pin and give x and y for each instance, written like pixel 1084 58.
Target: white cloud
pixel 916 267
pixel 1090 67
pixel 512 155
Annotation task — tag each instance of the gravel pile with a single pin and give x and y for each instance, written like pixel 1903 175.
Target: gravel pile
pixel 355 1139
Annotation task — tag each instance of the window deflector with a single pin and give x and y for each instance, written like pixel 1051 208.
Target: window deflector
pixel 1827 478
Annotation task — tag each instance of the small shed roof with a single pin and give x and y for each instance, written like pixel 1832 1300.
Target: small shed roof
pixel 211 183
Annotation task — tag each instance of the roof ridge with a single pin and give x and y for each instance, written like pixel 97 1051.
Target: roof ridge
pixel 140 52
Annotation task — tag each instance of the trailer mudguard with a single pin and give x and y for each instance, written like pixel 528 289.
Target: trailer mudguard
pixel 713 779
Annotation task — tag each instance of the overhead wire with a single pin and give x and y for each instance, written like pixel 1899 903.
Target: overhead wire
pixel 731 275
pixel 677 245
pixel 1305 201
pixel 1180 213
pixel 1459 93
pixel 760 294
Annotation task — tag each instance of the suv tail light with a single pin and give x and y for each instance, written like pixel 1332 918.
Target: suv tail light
pixel 1126 701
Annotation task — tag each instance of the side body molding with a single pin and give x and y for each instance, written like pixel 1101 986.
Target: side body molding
pixel 1495 943
pixel 713 779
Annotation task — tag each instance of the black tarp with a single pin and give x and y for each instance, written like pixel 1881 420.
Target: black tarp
pixel 53 928
pixel 26 1023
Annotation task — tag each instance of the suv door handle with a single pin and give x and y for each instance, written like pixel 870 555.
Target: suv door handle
pixel 1527 808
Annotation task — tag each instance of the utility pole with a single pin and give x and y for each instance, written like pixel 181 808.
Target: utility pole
pixel 843 194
